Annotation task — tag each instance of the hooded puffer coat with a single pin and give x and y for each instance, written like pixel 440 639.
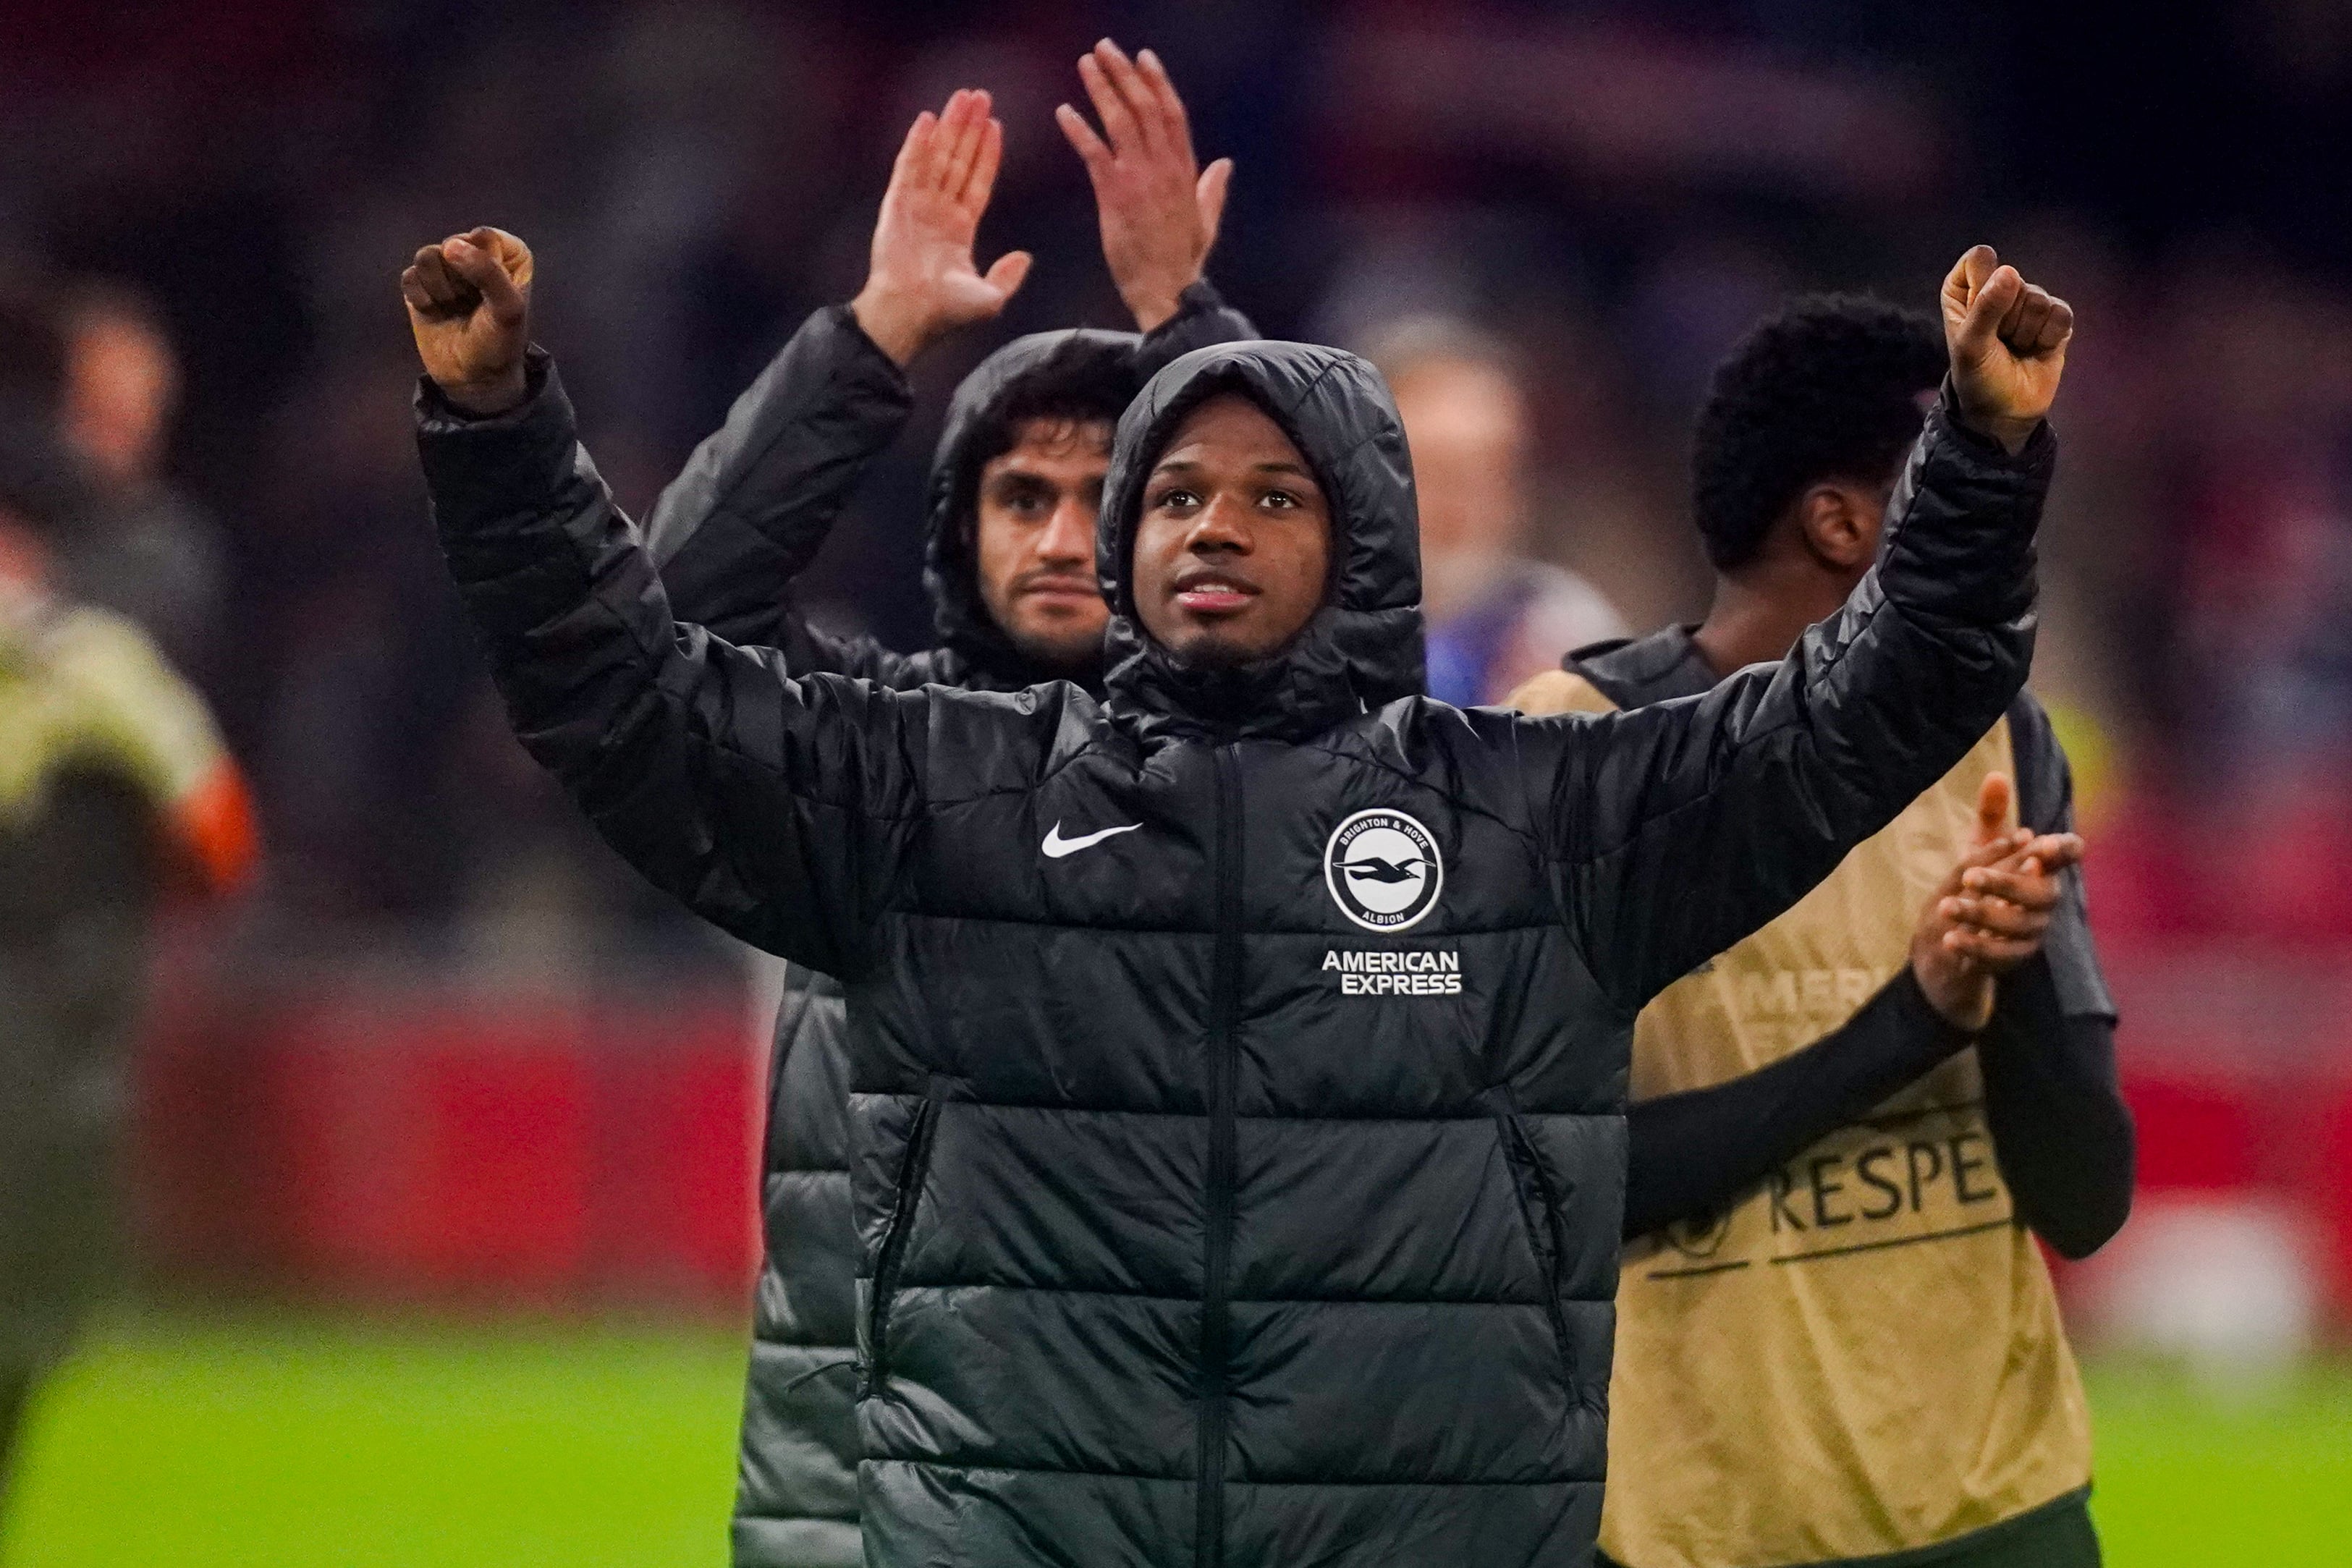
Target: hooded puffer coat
pixel 731 534
pixel 1237 1062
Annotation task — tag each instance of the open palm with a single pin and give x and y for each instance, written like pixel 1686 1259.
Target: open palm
pixel 1158 209
pixel 922 280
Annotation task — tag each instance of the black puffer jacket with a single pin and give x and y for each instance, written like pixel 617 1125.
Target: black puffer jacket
pixel 1243 1187
pixel 731 533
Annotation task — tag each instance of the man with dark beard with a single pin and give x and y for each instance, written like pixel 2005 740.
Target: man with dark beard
pixel 1017 480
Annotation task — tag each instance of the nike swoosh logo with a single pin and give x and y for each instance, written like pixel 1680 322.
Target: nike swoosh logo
pixel 1056 846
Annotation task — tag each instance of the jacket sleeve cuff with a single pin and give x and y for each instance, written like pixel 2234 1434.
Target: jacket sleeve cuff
pixel 1959 541
pixel 864 356
pixel 1202 317
pixel 2037 453
pixel 1199 298
pixel 495 480
pixel 437 415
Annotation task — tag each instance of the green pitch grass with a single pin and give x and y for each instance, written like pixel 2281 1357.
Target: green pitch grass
pixel 2263 1478
pixel 366 1446
pixel 355 1447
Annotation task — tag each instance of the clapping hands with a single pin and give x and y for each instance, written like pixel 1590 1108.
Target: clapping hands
pixel 1158 210
pixel 1991 913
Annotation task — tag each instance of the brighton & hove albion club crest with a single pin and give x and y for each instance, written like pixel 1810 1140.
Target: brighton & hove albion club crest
pixel 1383 870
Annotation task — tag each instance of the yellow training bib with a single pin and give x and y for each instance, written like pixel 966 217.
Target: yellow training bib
pixel 1864 1356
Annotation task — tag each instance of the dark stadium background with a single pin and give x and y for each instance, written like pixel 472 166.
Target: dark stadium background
pixel 449 1067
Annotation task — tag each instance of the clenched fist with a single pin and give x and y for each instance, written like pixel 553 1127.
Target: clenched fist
pixel 2008 341
pixel 469 306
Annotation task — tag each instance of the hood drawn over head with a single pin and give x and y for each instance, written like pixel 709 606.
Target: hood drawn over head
pixel 960 618
pixel 1363 648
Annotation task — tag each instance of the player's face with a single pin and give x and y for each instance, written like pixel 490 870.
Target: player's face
pixel 1034 540
pixel 1233 550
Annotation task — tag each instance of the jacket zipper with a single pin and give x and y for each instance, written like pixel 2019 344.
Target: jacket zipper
pixel 1224 1000
pixel 912 1173
pixel 1542 1218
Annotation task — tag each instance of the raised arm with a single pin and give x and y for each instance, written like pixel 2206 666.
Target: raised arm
pixel 1681 827
pixel 766 803
pixel 749 512
pixel 757 499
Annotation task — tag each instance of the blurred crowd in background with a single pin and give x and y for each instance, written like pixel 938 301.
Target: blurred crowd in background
pixel 1614 194
pixel 1611 193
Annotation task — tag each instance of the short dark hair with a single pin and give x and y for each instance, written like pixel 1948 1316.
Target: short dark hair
pixel 1828 389
pixel 1076 383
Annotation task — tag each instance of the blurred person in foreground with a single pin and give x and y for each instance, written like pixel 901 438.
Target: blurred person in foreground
pixel 148 551
pixel 1845 1345
pixel 114 789
pixel 1494 616
pixel 1017 480
pixel 1238 1056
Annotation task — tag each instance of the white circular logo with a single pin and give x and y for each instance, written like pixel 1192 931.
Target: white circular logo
pixel 1383 870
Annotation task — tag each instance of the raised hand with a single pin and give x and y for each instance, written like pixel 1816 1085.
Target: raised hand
pixel 1991 913
pixel 469 306
pixel 2008 340
pixel 922 283
pixel 1158 209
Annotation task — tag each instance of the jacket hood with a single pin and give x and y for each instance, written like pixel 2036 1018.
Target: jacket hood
pixel 951 574
pixel 1363 648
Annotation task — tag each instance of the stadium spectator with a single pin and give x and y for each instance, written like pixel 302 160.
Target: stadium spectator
pixel 1837 1339
pixel 113 785
pixel 1494 616
pixel 1162 1203
pixel 148 552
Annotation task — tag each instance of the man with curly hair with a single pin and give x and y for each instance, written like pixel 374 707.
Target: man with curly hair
pixel 1837 1339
